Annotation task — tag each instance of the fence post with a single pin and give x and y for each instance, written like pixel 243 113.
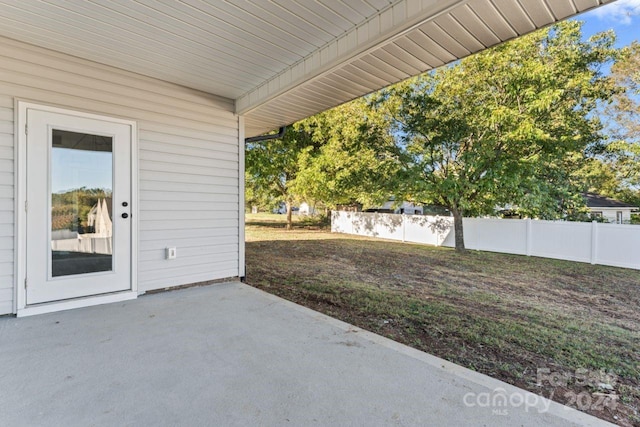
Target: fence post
pixel 529 237
pixel 376 221
pixel 594 242
pixel 404 230
pixel 333 219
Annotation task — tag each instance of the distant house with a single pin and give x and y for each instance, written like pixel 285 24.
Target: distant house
pixel 281 208
pixel 307 209
pixel 610 210
pixel 403 208
pixel 353 207
pixel 436 210
pixel 95 238
pixel 99 219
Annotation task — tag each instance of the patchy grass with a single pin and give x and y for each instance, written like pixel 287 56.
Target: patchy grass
pixel 503 315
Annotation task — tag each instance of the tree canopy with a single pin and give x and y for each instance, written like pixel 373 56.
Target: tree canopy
pixel 356 161
pixel 272 167
pixel 614 168
pixel 341 156
pixel 505 126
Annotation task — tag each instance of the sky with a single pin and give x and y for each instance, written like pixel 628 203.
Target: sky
pixel 623 16
pixel 72 169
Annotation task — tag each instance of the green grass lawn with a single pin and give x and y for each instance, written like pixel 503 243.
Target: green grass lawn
pixel 503 315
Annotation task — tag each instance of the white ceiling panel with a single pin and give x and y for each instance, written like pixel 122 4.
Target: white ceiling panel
pixel 441 37
pixel 280 60
pixel 222 47
pixel 397 53
pixel 468 28
pixel 561 8
pixel 516 16
pixel 475 25
pixel 458 32
pixel 489 15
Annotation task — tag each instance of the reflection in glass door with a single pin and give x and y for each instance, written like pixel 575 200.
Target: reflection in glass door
pixel 81 203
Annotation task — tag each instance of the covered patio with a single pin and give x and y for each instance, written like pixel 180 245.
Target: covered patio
pixel 229 354
pixel 171 90
pixel 168 92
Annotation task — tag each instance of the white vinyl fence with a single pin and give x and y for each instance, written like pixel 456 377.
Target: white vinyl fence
pixel 91 245
pixel 607 244
pixel 72 241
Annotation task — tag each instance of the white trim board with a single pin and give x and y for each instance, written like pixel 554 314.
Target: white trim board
pixel 241 201
pixel 52 307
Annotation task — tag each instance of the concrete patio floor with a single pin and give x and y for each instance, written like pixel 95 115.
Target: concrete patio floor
pixel 229 354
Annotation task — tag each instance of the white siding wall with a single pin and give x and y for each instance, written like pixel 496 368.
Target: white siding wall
pixel 6 204
pixel 188 161
pixel 611 214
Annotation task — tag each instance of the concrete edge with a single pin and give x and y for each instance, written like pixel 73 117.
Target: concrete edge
pixel 542 404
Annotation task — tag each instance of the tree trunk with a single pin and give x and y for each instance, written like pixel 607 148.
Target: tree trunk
pixel 289 218
pixel 458 229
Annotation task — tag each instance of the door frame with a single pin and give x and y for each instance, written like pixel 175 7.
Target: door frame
pixel 20 223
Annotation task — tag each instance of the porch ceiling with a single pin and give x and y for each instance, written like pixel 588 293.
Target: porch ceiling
pixel 281 60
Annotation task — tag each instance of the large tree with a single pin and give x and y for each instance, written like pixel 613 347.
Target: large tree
pixel 340 156
pixel 624 110
pixel 506 126
pixel 620 154
pixel 272 167
pixel 613 164
pixel 357 158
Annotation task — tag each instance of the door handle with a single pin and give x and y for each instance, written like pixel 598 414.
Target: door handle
pixel 125 215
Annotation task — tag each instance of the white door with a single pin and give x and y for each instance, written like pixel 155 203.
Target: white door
pixel 78 211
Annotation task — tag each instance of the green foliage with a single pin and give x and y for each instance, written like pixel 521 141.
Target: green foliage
pixel 357 158
pixel 69 210
pixel 614 169
pixel 272 167
pixel 340 156
pixel 624 110
pixel 254 195
pixel 508 125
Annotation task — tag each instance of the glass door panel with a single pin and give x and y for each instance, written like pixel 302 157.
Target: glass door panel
pixel 81 203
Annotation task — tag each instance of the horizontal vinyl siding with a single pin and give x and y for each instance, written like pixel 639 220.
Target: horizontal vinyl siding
pixel 187 161
pixel 6 204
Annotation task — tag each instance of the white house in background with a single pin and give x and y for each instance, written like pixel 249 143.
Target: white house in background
pixel 99 219
pixel 409 209
pixel 391 206
pixel 66 244
pixel 154 100
pixel 306 209
pixel 610 209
